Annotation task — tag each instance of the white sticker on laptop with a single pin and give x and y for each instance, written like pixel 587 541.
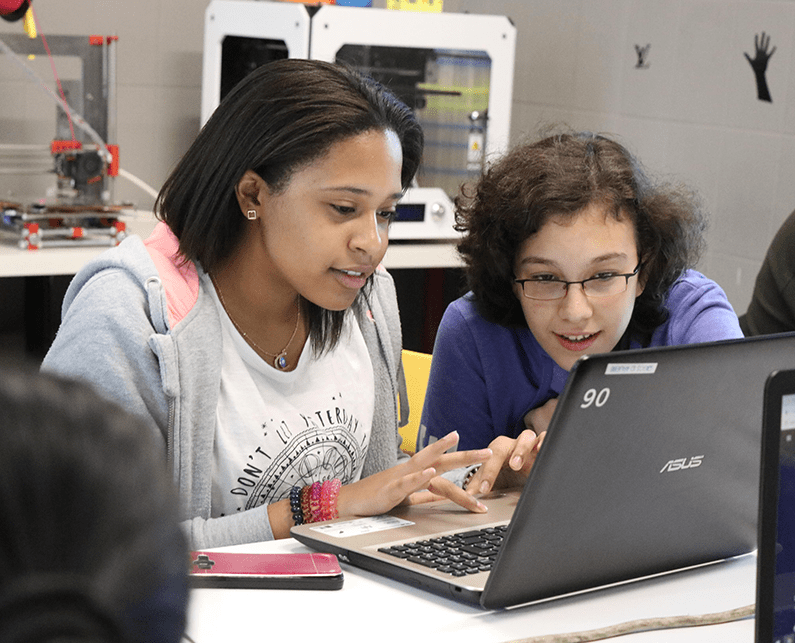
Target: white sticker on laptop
pixel 631 369
pixel 361 526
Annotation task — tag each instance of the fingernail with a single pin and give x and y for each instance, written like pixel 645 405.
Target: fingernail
pixel 482 507
pixel 484 486
pixel 516 463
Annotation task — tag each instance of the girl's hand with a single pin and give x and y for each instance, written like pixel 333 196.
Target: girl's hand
pixel 510 463
pixel 512 460
pixel 539 418
pixel 413 481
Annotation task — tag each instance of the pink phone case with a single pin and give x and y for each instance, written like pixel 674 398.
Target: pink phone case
pixel 265 571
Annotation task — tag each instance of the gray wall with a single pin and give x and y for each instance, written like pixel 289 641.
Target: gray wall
pixel 692 114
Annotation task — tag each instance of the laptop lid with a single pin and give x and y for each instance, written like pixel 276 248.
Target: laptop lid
pixel 775 588
pixel 651 464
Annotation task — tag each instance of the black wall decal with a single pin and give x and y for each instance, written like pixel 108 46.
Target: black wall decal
pixel 643 56
pixel 759 65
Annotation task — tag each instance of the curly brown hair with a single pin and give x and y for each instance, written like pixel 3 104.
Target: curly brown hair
pixel 559 175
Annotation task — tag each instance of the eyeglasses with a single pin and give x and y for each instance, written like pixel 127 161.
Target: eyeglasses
pixel 603 285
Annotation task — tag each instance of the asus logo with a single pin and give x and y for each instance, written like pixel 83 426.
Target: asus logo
pixel 682 463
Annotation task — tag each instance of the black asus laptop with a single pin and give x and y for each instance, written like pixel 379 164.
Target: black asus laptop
pixel 775 588
pixel 651 464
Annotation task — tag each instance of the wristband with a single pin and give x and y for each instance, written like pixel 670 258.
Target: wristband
pixel 307 512
pixel 328 499
pixel 314 501
pixel 295 506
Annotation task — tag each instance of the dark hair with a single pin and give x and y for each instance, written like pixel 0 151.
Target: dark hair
pixel 560 175
pixel 279 118
pixel 90 544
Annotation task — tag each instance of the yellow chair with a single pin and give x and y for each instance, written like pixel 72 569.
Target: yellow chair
pixel 417 368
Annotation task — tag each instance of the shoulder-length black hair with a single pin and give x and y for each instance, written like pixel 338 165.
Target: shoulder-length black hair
pixel 278 119
pixel 560 175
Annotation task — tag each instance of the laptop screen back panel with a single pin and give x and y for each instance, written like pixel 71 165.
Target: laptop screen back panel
pixel 651 464
pixel 614 494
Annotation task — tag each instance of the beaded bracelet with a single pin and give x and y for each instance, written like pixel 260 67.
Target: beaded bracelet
pixel 328 499
pixel 305 503
pixel 295 506
pixel 314 501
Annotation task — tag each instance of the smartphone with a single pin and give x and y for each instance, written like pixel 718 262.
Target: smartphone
pixel 265 571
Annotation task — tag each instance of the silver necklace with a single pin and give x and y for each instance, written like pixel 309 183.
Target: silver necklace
pixel 280 358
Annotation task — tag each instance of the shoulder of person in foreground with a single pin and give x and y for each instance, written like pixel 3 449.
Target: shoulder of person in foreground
pixel 780 252
pixel 772 305
pixel 91 542
pixel 699 311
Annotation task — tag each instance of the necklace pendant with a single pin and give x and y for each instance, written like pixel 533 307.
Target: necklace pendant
pixel 281 361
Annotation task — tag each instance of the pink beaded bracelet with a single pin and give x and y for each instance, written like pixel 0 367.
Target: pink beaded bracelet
pixel 314 501
pixel 318 501
pixel 328 499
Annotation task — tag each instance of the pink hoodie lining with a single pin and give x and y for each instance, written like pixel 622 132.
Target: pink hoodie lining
pixel 180 279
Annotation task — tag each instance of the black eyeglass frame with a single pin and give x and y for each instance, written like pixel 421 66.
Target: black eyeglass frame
pixel 582 283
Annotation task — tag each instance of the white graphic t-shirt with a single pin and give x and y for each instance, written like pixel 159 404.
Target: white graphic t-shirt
pixel 276 430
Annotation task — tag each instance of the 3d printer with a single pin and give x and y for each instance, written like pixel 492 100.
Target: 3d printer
pixel 80 210
pixel 454 70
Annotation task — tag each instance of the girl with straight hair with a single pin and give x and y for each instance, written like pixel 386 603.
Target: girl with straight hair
pixel 255 330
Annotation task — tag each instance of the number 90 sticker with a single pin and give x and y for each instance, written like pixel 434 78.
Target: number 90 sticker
pixel 598 398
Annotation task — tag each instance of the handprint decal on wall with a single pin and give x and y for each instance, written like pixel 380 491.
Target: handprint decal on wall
pixel 759 65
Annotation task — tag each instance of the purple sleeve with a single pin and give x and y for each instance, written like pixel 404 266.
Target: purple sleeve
pixel 457 397
pixel 484 378
pixel 699 312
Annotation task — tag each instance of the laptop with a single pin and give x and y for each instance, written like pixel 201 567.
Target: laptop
pixel 775 588
pixel 651 464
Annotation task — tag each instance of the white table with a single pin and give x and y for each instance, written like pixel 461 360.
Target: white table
pixel 372 608
pixel 15 262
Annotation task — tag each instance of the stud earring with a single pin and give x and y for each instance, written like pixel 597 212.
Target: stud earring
pixel 251 215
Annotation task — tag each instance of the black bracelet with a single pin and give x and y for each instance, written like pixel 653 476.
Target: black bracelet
pixel 295 505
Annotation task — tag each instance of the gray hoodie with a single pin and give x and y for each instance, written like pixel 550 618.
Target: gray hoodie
pixel 138 326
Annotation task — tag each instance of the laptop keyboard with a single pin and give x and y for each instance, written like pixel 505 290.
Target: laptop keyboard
pixel 458 554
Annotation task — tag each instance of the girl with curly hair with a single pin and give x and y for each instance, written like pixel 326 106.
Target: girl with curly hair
pixel 570 249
